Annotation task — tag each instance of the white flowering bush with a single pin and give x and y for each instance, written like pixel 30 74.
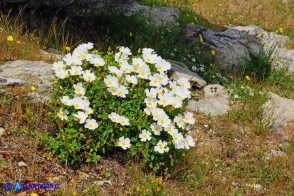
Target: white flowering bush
pixel 122 101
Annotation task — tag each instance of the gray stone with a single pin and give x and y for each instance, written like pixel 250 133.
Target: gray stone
pixel 1 131
pixel 278 110
pixel 274 153
pixel 158 15
pixel 22 164
pixel 180 70
pixel 27 73
pixel 236 44
pixel 214 103
pixel 102 182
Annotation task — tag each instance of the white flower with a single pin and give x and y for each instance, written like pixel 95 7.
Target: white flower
pixel 81 117
pixel 182 93
pixel 91 124
pixel 85 46
pixel 171 129
pixel 189 142
pixel 76 70
pixel 125 51
pixel 122 91
pixel 163 79
pixel 79 89
pixel 138 62
pixel 150 102
pixel 178 140
pixel 62 74
pixel 154 80
pixel 114 117
pixel 173 84
pixel 148 111
pixel 183 82
pixel 157 112
pixel 145 136
pixel 164 100
pixel 62 114
pixel 164 121
pixel 156 128
pixel 88 110
pixel 124 143
pixel 126 68
pixel 112 90
pixel 162 65
pixel 111 81
pixel 147 51
pixel 124 121
pixel 161 147
pixel 66 101
pixel 72 60
pixel 57 66
pixel 88 76
pixel 176 102
pixel 80 103
pixel 144 72
pixel 236 96
pixel 97 61
pixel 150 58
pixel 179 121
pixel 131 79
pixel 188 118
pixel 152 93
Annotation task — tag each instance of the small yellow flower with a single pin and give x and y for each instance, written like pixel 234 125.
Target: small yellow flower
pixel 34 194
pixel 18 42
pixel 200 38
pixel 67 48
pixel 131 34
pixel 10 38
pixel 32 88
pixel 281 30
pixel 158 189
pixel 247 78
pixel 213 52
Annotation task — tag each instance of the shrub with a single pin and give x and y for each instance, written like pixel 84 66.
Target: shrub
pixel 115 100
pixel 260 66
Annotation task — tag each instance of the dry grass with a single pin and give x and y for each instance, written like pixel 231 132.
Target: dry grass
pixel 269 14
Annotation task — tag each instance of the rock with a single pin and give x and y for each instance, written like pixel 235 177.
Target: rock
pixel 102 182
pixel 278 110
pixel 231 46
pixel 236 44
pixel 254 186
pixel 158 15
pixel 214 103
pixel 284 58
pixel 1 131
pixel 22 164
pixel 180 70
pixel 23 72
pixel 274 153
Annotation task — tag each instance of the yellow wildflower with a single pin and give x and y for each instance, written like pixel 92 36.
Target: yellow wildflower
pixel 247 78
pixel 281 30
pixel 34 194
pixel 67 48
pixel 32 88
pixel 200 38
pixel 10 38
pixel 18 42
pixel 213 52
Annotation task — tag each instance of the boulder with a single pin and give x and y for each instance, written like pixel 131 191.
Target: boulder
pixel 180 70
pixel 236 44
pixel 27 73
pixel 214 103
pixel 278 110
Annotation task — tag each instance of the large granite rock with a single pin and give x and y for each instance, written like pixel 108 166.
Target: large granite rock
pixel 236 44
pixel 278 110
pixel 180 70
pixel 214 103
pixel 27 73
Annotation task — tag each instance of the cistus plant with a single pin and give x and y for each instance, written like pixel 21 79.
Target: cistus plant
pixel 116 100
